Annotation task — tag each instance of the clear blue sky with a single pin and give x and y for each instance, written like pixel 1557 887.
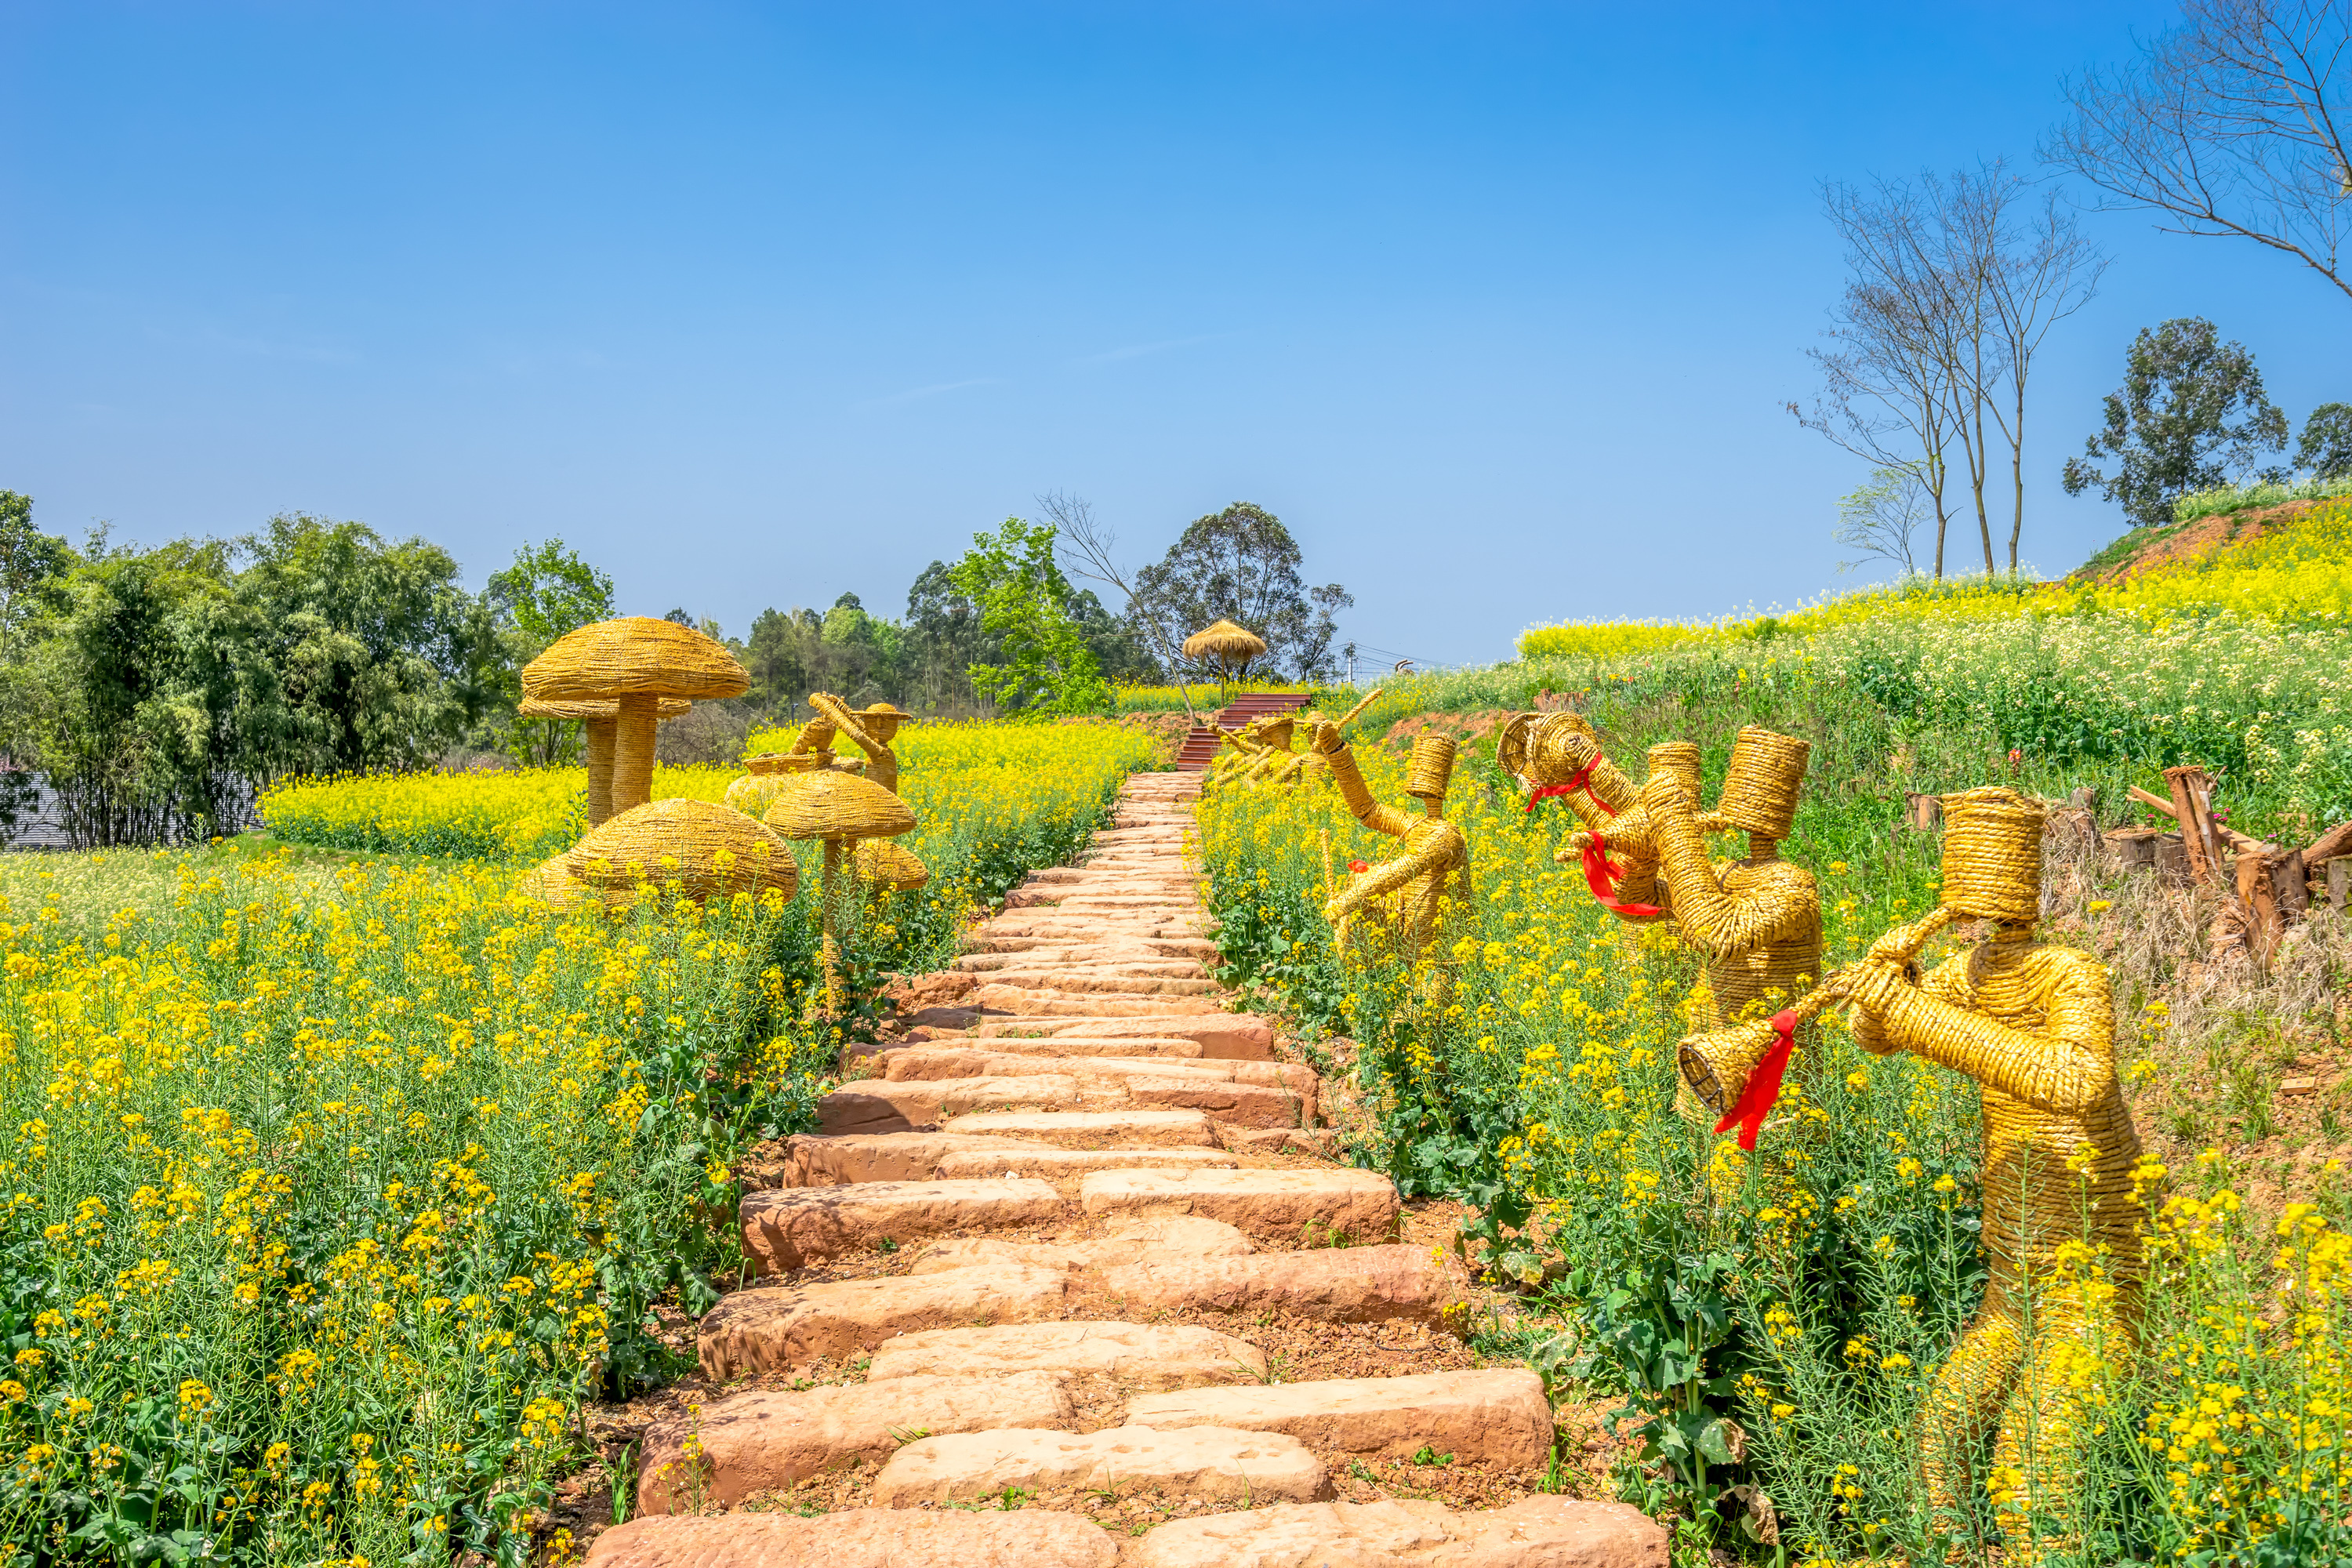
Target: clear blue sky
pixel 1496 305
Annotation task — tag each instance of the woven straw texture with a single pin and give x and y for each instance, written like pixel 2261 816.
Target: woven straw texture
pixel 1680 760
pixel 779 762
pixel 533 708
pixel 887 865
pixel 636 656
pixel 2034 1024
pixel 710 850
pixel 837 805
pixel 1224 642
pixel 1433 766
pixel 1993 855
pixel 1413 901
pixel 1760 789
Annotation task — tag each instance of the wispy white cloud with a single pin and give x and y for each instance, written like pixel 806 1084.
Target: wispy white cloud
pixel 1137 351
pixel 938 389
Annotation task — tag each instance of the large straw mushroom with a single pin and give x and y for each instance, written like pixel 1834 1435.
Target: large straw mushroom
pixel 601 719
pixel 1229 646
pixel 635 662
pixel 710 850
pixel 838 808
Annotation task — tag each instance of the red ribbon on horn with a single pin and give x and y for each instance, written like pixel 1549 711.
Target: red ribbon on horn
pixel 1601 877
pixel 1579 780
pixel 1763 1086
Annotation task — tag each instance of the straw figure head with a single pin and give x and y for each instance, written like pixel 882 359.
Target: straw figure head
pixel 887 865
pixel 881 720
pixel 1679 758
pixel 1433 767
pixel 1228 646
pixel 710 850
pixel 1276 731
pixel 1993 855
pixel 839 807
pixel 1760 789
pixel 635 662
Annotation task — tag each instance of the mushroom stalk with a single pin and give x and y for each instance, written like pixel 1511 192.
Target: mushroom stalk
pixel 600 770
pixel 832 979
pixel 633 751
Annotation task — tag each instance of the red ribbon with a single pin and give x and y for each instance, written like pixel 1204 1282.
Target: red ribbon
pixel 1763 1084
pixel 1579 780
pixel 1601 877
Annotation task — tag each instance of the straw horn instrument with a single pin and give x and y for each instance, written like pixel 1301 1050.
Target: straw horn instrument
pixel 1716 1064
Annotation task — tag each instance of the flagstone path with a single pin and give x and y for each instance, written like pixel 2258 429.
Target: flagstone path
pixel 1072 1281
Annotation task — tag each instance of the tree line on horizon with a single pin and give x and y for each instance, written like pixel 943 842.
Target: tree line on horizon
pixel 147 694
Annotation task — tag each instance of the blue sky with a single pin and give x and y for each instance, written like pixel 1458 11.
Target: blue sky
pixel 1496 305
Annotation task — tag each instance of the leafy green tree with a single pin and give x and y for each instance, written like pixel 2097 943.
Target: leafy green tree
pixel 370 649
pixel 2191 415
pixel 547 592
pixel 1046 667
pixel 1241 564
pixel 2326 448
pixel 31 563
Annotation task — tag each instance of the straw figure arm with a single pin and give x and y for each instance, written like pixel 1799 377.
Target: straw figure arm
pixel 815 736
pixel 1438 852
pixel 883 767
pixel 1605 793
pixel 2042 1032
pixel 1341 762
pixel 1713 919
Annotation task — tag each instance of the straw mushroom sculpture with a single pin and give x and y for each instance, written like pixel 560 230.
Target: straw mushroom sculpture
pixel 709 850
pixel 633 662
pixel 1230 647
pixel 838 808
pixel 601 719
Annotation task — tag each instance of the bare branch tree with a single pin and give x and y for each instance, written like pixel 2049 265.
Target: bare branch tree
pixel 1880 517
pixel 2233 123
pixel 1089 550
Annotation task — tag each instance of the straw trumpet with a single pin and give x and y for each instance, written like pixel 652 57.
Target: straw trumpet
pixel 1716 1064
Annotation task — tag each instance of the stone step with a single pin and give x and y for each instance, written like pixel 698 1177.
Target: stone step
pixel 781 1327
pixel 1294 1206
pixel 859 1538
pixel 1341 1285
pixel 752 1442
pixel 1238 1036
pixel 1027 1002
pixel 1206 1463
pixel 1498 1416
pixel 1242 1104
pixel 1016 968
pixel 1144 1358
pixel 1122 1241
pixel 879 1105
pixel 1164 1049
pixel 934 1060
pixel 786 1229
pixel 814 1159
pixel 1094 1128
pixel 1115 981
pixel 1535 1533
pixel 1065 1168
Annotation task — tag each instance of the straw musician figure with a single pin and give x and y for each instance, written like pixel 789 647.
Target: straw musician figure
pixel 2033 1022
pixel 1430 875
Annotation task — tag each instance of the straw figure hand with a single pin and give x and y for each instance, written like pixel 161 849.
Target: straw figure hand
pixel 2033 1023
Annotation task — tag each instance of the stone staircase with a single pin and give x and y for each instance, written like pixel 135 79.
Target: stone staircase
pixel 1064 1281
pixel 1200 746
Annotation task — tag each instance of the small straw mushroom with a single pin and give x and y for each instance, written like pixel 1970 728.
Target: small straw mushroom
pixel 635 661
pixel 838 808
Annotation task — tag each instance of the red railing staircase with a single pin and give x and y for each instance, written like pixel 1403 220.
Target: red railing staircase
pixel 1201 747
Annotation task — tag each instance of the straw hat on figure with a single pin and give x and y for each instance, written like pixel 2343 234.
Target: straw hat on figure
pixel 1430 875
pixel 2033 1023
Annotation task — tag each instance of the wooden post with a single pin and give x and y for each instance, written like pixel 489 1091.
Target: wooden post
pixel 2192 808
pixel 2265 923
pixel 2288 878
pixel 2084 799
pixel 1926 811
pixel 2339 881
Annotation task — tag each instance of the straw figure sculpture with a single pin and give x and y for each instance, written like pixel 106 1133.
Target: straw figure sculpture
pixel 633 662
pixel 838 809
pixel 2033 1022
pixel 1757 919
pixel 877 862
pixel 763 776
pixel 705 849
pixel 1228 646
pixel 1559 756
pixel 1242 748
pixel 1429 874
pixel 601 719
